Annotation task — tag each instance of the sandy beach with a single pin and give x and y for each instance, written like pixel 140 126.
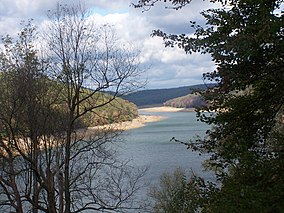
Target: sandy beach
pixel 139 121
pixel 135 123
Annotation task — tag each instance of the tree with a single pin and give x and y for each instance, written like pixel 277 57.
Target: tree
pixel 245 40
pixel 82 54
pixel 49 165
pixel 25 115
pixel 170 194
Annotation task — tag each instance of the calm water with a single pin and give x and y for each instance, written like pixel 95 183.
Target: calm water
pixel 151 145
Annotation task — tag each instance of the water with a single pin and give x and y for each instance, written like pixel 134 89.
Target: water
pixel 151 145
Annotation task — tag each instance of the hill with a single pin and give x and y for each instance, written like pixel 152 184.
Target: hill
pixel 160 96
pixel 115 111
pixel 51 99
pixel 118 110
pixel 187 101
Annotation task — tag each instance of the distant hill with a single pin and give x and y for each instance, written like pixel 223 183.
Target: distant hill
pixel 118 110
pixel 159 96
pixel 188 101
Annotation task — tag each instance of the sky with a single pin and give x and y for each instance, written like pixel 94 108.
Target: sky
pixel 165 67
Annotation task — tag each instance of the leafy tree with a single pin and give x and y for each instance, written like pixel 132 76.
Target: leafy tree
pixel 245 40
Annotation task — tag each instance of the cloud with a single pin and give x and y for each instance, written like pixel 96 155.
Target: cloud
pixel 168 67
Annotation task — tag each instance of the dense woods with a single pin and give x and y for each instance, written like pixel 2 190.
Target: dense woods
pixel 160 96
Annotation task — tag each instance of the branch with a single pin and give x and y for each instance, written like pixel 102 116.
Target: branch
pixel 148 4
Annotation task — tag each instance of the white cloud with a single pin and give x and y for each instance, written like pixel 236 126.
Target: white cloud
pixel 169 67
pixel 173 55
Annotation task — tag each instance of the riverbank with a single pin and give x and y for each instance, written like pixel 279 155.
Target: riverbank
pixel 135 123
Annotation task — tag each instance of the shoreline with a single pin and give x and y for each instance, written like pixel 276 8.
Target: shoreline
pixel 137 122
pixel 166 109
pixel 140 121
pixel 127 125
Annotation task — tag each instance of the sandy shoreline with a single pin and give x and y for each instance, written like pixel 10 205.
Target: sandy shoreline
pixel 127 125
pixel 135 123
pixel 139 121
pixel 142 119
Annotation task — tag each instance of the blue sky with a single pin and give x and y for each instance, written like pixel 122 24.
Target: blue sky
pixel 167 67
pixel 106 11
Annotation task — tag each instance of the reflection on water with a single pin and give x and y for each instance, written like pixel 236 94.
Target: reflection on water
pixel 151 145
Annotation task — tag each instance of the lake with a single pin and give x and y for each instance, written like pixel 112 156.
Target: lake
pixel 151 146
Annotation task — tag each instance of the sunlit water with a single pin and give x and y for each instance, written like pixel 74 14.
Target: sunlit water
pixel 151 146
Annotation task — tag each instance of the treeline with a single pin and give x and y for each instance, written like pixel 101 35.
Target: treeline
pixel 160 96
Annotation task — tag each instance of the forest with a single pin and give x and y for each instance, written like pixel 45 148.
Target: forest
pixel 158 97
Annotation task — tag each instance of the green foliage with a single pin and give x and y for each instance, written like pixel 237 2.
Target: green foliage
pixel 246 42
pixel 176 193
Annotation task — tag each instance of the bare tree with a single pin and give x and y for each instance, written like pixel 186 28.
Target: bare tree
pixel 28 122
pixel 82 55
pixel 48 165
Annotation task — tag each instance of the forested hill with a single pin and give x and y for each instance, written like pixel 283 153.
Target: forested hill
pixel 187 101
pixel 159 96
pixel 117 110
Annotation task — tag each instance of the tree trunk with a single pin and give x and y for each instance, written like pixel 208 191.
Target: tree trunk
pixel 66 171
pixel 60 189
pixel 51 192
pixel 34 169
pixel 60 181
